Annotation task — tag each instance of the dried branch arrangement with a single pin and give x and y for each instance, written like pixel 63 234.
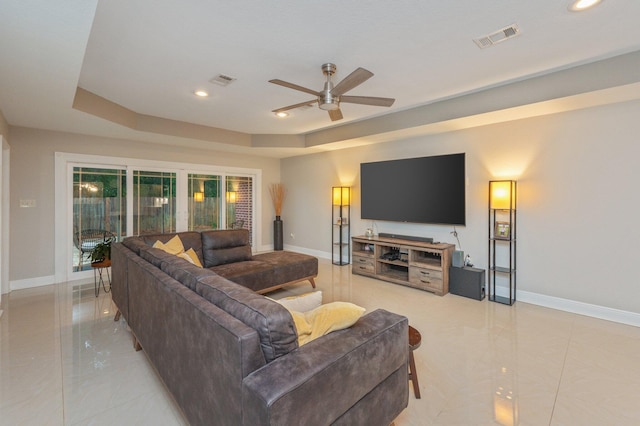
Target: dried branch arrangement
pixel 278 193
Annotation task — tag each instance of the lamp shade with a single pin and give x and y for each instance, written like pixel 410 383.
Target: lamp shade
pixel 502 194
pixel 198 197
pixel 341 195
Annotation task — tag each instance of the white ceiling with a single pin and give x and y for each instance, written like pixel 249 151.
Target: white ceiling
pixel 149 56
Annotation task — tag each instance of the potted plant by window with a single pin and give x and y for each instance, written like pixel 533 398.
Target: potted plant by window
pixel 102 251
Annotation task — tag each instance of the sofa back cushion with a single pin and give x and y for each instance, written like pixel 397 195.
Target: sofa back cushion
pixel 156 256
pixel 189 240
pixel 134 244
pixel 271 320
pixel 225 246
pixel 178 268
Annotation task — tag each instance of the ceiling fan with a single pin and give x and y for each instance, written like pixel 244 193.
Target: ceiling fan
pixel 331 96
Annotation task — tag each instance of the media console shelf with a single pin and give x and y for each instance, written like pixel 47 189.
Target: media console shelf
pixel 406 262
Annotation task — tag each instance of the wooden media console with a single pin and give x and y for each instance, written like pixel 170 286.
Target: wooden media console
pixel 412 263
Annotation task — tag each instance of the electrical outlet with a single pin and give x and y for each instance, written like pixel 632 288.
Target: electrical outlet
pixel 293 236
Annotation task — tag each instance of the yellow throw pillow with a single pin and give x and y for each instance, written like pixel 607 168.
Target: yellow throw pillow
pixel 324 319
pixel 173 246
pixel 302 326
pixel 191 256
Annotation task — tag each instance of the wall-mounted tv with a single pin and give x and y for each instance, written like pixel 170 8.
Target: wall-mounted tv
pixel 417 190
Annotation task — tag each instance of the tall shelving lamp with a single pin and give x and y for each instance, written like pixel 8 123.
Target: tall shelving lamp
pixel 502 240
pixel 341 222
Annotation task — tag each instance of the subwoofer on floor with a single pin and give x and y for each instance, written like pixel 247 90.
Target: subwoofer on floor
pixel 467 282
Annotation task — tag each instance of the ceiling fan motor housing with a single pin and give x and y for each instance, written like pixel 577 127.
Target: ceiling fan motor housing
pixel 326 101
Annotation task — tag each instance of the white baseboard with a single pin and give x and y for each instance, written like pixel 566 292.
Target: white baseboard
pixel 303 250
pixel 316 253
pixel 31 282
pixel 581 308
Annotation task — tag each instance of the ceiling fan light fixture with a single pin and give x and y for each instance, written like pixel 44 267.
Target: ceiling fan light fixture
pixel 329 104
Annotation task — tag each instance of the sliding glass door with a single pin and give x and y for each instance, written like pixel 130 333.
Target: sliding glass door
pixel 154 202
pixel 204 202
pixel 239 198
pixel 99 208
pixel 109 197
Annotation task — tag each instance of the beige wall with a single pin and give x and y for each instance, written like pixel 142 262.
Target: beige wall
pixel 4 234
pixel 577 176
pixel 577 214
pixel 4 126
pixel 32 177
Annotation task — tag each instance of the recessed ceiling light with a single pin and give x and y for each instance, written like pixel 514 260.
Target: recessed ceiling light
pixel 282 114
pixel 579 5
pixel 201 93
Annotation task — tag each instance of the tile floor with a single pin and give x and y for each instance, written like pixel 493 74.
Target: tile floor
pixel 64 361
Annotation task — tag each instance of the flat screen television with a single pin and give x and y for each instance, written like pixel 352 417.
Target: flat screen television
pixel 417 190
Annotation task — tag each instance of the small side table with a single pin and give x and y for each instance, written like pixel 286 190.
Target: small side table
pixel 414 343
pixel 98 279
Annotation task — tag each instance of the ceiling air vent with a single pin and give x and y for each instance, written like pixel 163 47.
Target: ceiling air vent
pixel 500 35
pixel 222 80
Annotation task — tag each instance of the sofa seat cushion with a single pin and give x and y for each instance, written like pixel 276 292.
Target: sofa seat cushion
pixel 225 246
pixel 271 320
pixel 289 266
pixel 251 274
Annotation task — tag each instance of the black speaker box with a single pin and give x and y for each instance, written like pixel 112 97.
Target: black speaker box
pixel 467 282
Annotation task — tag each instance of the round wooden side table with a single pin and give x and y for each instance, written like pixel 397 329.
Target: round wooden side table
pixel 414 343
pixel 98 269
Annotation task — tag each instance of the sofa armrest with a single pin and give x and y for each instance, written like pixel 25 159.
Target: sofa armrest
pixel 320 381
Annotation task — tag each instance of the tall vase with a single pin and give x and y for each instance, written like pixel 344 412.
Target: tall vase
pixel 277 233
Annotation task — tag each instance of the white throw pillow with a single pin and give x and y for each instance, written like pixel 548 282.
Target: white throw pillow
pixel 303 303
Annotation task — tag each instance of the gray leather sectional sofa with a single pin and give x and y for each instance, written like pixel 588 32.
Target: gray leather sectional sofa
pixel 230 356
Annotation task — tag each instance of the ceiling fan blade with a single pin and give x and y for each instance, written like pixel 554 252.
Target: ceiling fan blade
pixel 335 114
pixel 301 104
pixel 294 87
pixel 368 100
pixel 354 79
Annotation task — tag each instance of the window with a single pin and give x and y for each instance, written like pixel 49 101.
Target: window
pixel 140 197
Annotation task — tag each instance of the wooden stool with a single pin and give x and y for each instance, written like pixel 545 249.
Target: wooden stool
pixel 414 343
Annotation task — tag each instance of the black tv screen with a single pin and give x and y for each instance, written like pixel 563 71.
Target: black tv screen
pixel 417 190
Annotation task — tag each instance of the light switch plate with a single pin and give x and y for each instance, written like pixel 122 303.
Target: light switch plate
pixel 28 203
